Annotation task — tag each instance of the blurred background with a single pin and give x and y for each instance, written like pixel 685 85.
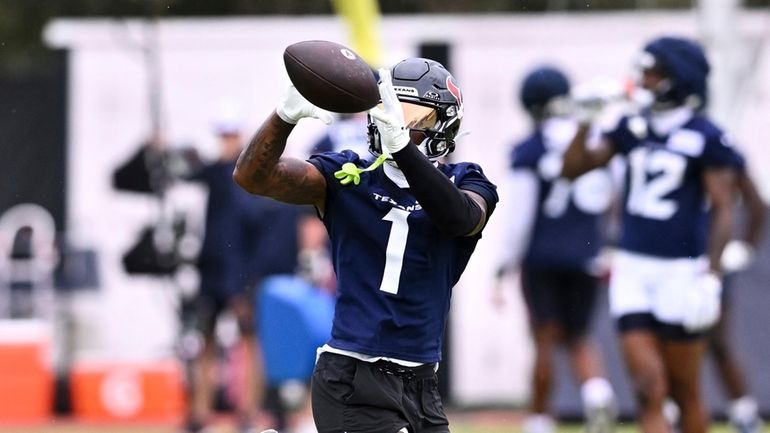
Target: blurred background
pixel 108 109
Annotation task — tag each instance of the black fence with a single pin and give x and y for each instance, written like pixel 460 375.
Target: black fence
pixel 33 135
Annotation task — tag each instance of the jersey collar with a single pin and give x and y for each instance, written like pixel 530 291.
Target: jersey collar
pixel 665 122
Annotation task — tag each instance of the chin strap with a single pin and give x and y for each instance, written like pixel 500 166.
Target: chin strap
pixel 351 173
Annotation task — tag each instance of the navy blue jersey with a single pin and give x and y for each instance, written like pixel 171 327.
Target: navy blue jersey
pixel 269 238
pixel 220 256
pixel 395 269
pixel 665 212
pixel 246 237
pixel 567 228
pixel 740 161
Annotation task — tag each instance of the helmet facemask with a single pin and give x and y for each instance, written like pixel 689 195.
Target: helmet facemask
pixel 667 92
pixel 661 97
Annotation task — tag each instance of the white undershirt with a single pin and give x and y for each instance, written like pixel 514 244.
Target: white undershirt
pixel 366 358
pixel 396 175
pixel 523 188
pixel 666 121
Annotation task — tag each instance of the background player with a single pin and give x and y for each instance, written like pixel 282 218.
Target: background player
pixel 665 285
pixel 227 276
pixel 347 132
pixel 558 230
pixel 401 236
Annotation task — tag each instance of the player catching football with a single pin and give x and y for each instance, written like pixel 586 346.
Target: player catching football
pixel 665 285
pixel 401 234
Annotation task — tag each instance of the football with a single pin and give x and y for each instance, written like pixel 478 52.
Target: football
pixel 331 76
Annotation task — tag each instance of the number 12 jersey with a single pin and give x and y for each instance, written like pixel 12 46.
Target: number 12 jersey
pixel 665 208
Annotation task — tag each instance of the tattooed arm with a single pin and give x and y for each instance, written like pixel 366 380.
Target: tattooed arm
pixel 261 170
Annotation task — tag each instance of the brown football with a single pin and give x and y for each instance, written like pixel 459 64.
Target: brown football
pixel 331 76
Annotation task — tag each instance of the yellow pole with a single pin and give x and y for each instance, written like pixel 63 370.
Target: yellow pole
pixel 363 21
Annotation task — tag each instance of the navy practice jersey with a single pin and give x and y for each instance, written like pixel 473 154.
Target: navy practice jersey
pixel 665 210
pixel 567 228
pixel 220 256
pixel 395 269
pixel 740 161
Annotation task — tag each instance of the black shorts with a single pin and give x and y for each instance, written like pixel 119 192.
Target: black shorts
pixel 562 296
pixel 353 396
pixel 647 322
pixel 210 305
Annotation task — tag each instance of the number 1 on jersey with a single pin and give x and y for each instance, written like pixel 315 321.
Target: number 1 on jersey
pixel 394 253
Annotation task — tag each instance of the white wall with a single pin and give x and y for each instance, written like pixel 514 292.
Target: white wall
pixel 206 61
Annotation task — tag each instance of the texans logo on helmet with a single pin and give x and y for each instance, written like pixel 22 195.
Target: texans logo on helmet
pixel 454 90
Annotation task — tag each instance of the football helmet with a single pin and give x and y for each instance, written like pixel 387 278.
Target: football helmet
pixel 684 64
pixel 545 92
pixel 427 83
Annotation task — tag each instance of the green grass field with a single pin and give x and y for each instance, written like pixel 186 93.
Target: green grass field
pixel 457 427
pixel 471 421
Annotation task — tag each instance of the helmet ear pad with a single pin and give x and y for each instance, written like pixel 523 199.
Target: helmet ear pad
pixel 441 139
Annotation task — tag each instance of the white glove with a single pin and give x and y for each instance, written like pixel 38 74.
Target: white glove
pixel 294 107
pixel 590 99
pixel 703 303
pixel 586 111
pixel 737 256
pixel 390 118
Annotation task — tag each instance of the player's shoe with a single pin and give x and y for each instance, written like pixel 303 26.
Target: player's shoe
pixel 599 406
pixel 743 414
pixel 672 414
pixel 747 426
pixel 601 419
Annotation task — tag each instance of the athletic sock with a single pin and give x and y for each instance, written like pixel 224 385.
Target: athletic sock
pixel 597 392
pixel 671 412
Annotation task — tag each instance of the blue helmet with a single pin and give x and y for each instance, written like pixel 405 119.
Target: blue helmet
pixel 684 63
pixel 540 87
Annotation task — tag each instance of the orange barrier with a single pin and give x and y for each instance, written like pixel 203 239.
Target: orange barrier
pixel 26 377
pixel 108 391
